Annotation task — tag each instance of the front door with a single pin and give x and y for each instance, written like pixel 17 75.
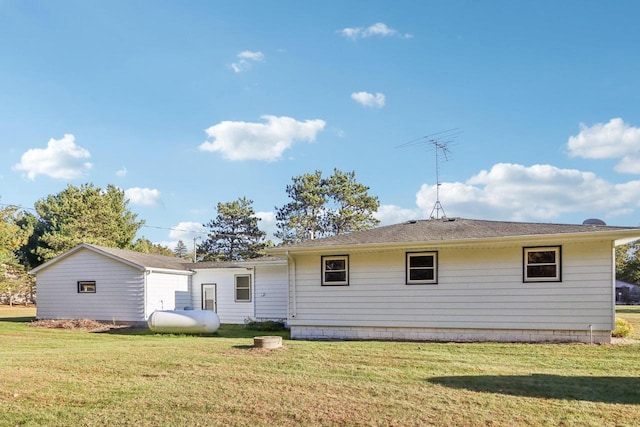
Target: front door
pixel 209 297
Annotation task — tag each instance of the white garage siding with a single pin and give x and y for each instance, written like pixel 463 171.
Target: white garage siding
pixel 119 292
pixel 478 289
pixel 167 291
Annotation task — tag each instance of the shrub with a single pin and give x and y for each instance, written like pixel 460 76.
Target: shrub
pixel 267 325
pixel 623 329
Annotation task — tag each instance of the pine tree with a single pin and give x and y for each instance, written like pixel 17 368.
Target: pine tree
pixel 321 207
pixel 181 250
pixel 234 233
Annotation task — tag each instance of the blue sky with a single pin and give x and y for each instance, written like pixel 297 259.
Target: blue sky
pixel 187 104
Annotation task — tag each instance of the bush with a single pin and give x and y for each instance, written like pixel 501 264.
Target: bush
pixel 623 329
pixel 267 325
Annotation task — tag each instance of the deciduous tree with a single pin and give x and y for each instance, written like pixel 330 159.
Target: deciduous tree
pixel 146 246
pixel 13 278
pixel 628 262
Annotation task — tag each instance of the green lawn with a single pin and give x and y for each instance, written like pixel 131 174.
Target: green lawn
pixel 58 377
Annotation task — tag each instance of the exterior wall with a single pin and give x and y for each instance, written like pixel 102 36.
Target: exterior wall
pixel 228 310
pixel 119 292
pixel 479 289
pixel 271 292
pixel 167 291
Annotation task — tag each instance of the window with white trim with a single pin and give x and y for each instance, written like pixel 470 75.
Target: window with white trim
pixel 243 288
pixel 86 286
pixel 335 270
pixel 542 264
pixel 422 268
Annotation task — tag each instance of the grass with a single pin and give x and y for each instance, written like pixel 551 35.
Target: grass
pixel 58 377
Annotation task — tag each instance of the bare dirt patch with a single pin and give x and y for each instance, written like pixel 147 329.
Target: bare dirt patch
pixel 87 325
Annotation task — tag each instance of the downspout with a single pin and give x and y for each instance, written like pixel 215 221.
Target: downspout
pixel 254 271
pixel 146 295
pixel 613 285
pixel 292 284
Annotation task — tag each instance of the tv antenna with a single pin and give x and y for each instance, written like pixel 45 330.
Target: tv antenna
pixel 440 142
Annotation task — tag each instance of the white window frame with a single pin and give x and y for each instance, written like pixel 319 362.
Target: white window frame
pixel 87 286
pixel 331 282
pixel 434 280
pixel 557 277
pixel 236 288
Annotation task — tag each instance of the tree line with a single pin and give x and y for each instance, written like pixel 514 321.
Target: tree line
pixel 319 206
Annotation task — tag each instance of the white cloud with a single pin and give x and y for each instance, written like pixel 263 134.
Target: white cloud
pixel 539 192
pixel 187 230
pixel 392 214
pixel 260 141
pixel 246 59
pixel 62 159
pixel 611 140
pixel 378 29
pixel 267 223
pixel 368 99
pixel 121 172
pixel 143 196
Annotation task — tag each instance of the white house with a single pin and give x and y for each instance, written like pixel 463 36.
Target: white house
pixel 457 280
pixel 111 284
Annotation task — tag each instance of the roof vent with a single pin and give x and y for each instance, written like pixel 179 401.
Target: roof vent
pixel 593 221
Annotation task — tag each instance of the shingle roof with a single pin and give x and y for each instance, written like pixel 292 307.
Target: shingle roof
pixel 236 264
pixel 142 259
pixel 449 229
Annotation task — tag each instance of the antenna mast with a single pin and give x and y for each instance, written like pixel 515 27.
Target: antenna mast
pixel 440 145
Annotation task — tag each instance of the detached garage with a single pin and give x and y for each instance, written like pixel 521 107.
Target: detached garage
pixel 100 283
pixel 108 284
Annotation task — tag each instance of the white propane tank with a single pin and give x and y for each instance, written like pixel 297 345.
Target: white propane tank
pixel 184 321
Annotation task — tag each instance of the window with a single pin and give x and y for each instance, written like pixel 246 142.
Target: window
pixel 422 268
pixel 335 270
pixel 542 264
pixel 243 288
pixel 86 287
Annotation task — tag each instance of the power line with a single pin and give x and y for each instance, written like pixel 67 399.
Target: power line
pixel 20 207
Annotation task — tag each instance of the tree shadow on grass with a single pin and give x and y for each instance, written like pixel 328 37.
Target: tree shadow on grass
pixel 623 390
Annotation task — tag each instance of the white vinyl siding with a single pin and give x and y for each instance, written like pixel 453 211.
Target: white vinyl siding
pixel 477 288
pixel 119 292
pixel 270 285
pixel 229 310
pixel 269 288
pixel 167 291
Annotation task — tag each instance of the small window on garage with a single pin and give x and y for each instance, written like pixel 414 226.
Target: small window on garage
pixel 243 287
pixel 86 286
